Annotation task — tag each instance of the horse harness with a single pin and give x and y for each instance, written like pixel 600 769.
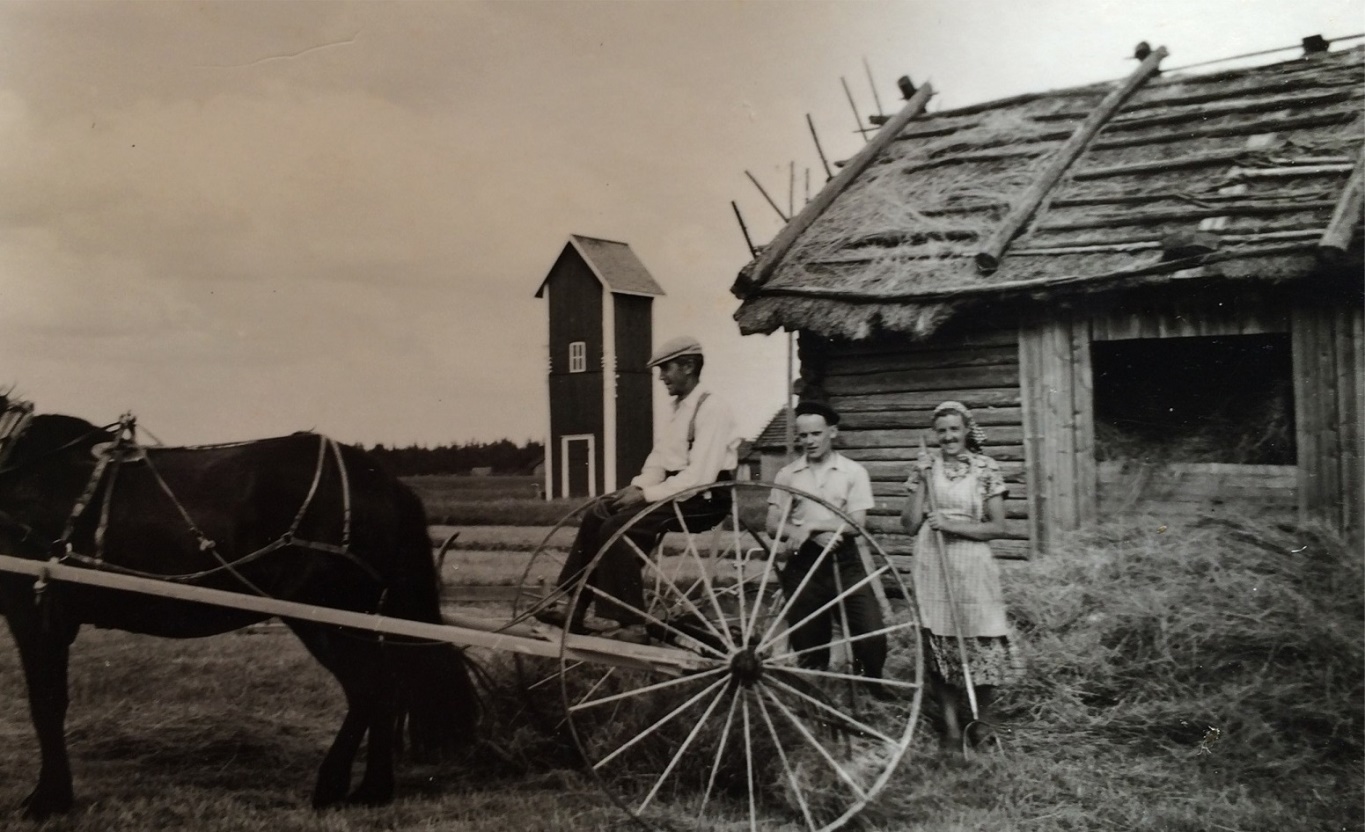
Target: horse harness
pixel 124 449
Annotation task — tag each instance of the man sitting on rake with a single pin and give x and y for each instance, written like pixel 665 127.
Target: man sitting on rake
pixel 696 447
pixel 826 553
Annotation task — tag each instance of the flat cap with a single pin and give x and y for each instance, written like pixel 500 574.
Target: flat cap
pixel 675 348
pixel 819 409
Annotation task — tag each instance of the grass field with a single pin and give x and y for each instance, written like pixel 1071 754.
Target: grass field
pixel 1200 678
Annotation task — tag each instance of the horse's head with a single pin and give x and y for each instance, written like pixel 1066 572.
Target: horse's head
pixel 45 462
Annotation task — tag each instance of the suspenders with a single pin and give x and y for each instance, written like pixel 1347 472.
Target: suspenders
pixel 692 425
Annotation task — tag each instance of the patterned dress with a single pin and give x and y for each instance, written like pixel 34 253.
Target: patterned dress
pixel 961 487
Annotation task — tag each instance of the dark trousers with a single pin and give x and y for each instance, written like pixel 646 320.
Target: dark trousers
pixel 619 573
pixel 841 569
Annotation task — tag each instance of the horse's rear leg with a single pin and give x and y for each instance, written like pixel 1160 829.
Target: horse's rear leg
pixel 357 664
pixel 44 652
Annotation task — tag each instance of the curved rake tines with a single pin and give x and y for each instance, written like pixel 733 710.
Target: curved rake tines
pixel 751 739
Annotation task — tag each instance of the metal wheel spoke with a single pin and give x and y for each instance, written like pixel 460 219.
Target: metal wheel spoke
pixel 687 602
pixel 749 765
pixel 554 677
pixel 654 619
pixel 669 717
pixel 786 767
pixel 591 690
pixel 845 639
pixel 801 587
pixel 837 599
pixel 720 753
pixel 832 674
pixel 701 567
pixel 682 749
pixel 583 704
pixel 816 744
pixel 767 571
pixel 843 717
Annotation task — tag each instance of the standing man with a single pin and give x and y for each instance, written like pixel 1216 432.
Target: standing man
pixel 811 529
pixel 696 447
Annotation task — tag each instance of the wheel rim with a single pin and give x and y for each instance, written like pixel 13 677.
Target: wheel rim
pixel 747 737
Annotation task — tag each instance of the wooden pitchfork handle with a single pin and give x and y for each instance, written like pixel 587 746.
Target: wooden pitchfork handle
pixel 948 588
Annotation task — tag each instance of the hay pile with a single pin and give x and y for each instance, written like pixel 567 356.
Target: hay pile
pixel 1241 643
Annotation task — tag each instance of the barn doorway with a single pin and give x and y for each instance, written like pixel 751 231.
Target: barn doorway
pixel 1195 426
pixel 1225 399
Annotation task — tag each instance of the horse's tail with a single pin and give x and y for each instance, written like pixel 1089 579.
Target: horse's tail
pixel 435 691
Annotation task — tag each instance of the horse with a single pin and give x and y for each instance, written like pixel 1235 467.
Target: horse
pixel 300 518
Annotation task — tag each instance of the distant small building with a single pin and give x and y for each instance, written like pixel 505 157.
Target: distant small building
pixel 601 333
pixel 767 453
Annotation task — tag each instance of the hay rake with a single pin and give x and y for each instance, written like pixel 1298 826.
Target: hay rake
pixel 715 725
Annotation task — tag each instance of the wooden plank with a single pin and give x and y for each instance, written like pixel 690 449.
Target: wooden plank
pixel 1000 435
pixel 1033 436
pixel 1110 468
pixel 981 336
pixel 893 506
pixel 1305 408
pixel 1083 421
pixel 895 470
pixel 926 400
pixel 1329 443
pixel 986 417
pixel 1063 458
pixel 1355 496
pixel 905 453
pixel 922 360
pixel 1024 207
pixel 1346 214
pixel 777 249
pixel 920 381
pixel 588 648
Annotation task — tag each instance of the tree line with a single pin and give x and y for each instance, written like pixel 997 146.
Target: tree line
pixel 502 457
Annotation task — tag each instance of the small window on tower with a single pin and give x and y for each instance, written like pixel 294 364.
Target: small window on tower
pixel 578 357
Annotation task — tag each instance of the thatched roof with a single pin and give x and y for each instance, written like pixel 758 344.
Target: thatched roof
pixel 1259 157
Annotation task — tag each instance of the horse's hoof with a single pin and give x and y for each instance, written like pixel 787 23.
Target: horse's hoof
pixel 326 800
pixel 39 806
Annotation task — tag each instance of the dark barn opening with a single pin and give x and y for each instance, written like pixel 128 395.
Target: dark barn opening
pixel 1223 399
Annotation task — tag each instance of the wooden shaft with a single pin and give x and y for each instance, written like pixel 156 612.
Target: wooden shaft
pixel 744 229
pixel 587 648
pixel 1337 238
pixel 761 190
pixel 782 243
pixel 828 174
pixel 988 258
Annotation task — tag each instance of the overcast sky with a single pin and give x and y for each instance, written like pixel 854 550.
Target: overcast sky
pixel 244 219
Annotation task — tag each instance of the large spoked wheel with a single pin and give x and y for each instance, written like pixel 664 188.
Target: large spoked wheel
pixel 758 701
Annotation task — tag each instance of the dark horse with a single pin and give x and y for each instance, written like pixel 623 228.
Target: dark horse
pixel 299 518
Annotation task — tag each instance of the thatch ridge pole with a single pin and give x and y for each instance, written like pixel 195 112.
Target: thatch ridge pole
pixel 782 243
pixel 988 258
pixel 1337 238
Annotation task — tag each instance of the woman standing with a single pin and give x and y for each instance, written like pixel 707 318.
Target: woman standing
pixel 957 501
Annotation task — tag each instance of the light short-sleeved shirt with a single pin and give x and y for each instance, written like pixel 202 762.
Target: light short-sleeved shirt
pixel 841 482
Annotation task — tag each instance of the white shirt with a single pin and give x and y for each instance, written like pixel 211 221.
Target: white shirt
pixel 714 447
pixel 841 482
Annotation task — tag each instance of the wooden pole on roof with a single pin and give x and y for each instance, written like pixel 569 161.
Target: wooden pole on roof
pixel 873 84
pixel 791 188
pixel 828 174
pixel 791 410
pixel 775 250
pixel 988 258
pixel 744 229
pixel 784 217
pixel 857 119
pixel 1337 238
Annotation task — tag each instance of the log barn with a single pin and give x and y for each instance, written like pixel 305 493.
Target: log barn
pixel 1149 291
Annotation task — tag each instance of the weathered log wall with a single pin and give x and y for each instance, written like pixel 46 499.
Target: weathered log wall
pixel 886 390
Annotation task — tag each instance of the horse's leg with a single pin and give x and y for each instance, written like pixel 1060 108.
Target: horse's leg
pixel 44 651
pixel 345 655
pixel 377 786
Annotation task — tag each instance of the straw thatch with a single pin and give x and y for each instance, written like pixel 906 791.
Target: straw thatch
pixel 1260 157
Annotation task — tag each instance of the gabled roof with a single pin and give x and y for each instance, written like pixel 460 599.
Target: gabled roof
pixel 615 265
pixel 773 437
pixel 1265 160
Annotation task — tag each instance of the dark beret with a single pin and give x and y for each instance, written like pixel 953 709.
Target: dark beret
pixel 818 408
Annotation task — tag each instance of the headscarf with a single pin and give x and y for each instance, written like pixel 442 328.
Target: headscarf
pixel 976 437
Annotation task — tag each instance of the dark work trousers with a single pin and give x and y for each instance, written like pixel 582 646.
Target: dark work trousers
pixel 619 573
pixel 861 607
